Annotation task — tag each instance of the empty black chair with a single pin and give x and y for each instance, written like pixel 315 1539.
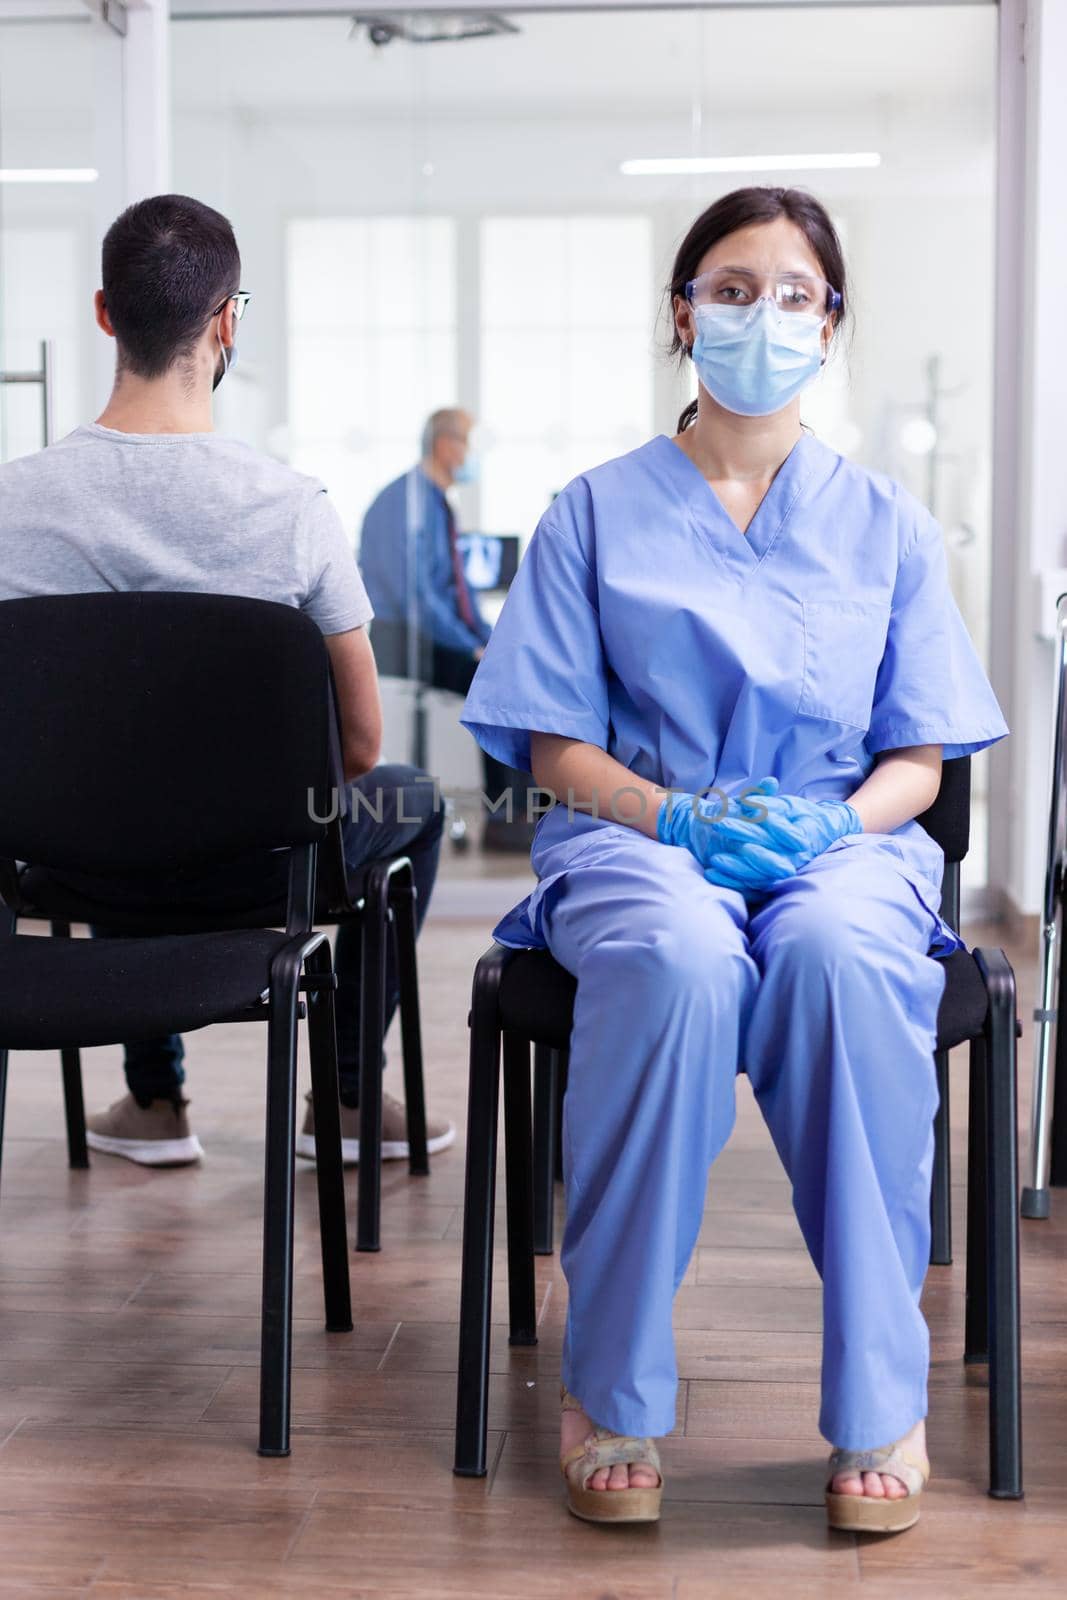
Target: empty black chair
pixel 171 732
pixel 524 997
pixel 380 896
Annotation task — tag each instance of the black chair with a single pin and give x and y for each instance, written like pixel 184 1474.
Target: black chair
pixel 162 732
pixel 524 997
pixel 381 896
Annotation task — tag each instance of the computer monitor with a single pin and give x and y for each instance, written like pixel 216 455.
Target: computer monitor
pixel 490 560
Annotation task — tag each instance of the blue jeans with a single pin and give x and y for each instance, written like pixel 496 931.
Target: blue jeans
pixel 154 1069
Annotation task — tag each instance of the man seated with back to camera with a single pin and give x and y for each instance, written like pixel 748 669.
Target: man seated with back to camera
pixel 149 497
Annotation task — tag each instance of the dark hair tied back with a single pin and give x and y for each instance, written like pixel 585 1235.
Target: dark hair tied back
pixel 741 208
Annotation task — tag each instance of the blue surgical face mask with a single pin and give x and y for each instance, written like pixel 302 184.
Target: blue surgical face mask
pixel 755 359
pixel 469 472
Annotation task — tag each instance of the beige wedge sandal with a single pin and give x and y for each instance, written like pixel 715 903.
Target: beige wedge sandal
pixel 605 1449
pixel 861 1513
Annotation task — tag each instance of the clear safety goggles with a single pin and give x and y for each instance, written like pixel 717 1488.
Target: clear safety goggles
pixel 792 291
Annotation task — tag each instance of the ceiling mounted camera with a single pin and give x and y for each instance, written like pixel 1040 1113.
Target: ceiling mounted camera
pixel 431 28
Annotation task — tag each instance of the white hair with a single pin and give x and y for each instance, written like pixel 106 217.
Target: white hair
pixel 439 425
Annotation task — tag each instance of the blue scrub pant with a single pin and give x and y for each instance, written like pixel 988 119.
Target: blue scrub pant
pixel 824 994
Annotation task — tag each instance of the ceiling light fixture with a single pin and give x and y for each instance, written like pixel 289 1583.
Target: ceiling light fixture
pixel 678 166
pixel 48 174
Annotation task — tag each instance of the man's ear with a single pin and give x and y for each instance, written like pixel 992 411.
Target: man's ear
pixel 102 319
pixel 227 324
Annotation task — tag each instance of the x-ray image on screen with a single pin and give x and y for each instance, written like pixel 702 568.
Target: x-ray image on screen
pixel 490 560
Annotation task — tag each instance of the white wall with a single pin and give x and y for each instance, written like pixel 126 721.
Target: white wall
pixel 261 171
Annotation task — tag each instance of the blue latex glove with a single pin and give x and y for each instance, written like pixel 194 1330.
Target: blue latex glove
pixel 714 825
pixel 752 870
pixel 821 822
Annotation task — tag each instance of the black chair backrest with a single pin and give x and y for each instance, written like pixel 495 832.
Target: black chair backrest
pixel 159 730
pixel 948 821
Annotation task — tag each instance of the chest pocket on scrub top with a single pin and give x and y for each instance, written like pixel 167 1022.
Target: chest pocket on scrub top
pixel 844 641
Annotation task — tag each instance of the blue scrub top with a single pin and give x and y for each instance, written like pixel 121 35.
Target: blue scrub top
pixel 415 501
pixel 643 621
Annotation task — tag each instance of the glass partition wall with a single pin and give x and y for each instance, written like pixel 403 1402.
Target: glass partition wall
pixel 60 182
pixel 429 220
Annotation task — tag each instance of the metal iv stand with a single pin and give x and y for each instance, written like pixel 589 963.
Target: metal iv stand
pixel 1048 1134
pixel 43 376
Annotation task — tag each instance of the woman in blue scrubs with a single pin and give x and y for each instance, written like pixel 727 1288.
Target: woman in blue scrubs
pixel 734 604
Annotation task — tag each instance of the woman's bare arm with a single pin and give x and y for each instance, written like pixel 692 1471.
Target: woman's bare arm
pixel 588 779
pixel 901 786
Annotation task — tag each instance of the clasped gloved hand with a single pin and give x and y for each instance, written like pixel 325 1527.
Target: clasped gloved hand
pixel 753 842
pixel 816 825
pixel 821 822
pixel 725 827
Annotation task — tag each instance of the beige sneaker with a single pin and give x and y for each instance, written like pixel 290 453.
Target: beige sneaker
pixel 154 1136
pixel 395 1147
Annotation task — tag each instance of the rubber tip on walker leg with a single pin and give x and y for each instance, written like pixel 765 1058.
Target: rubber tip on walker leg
pixel 1035 1204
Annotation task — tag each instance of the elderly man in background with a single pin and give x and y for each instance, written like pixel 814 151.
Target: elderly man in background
pixel 427 623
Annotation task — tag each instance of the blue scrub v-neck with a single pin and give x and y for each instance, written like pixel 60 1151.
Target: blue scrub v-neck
pixel 743 551
pixel 643 622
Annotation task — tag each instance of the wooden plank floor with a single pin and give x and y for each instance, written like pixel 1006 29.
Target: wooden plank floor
pixel 128 1379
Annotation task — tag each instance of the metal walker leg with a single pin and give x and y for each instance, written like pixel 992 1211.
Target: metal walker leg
pixel 1035 1196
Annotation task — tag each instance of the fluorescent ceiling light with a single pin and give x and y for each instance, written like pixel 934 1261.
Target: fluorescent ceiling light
pixel 48 174
pixel 674 166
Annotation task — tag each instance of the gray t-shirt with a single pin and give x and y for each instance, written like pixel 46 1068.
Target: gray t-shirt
pixel 186 511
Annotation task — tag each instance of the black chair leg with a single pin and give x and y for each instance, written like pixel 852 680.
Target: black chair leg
pixel 372 1036
pixel 1002 1166
pixel 518 1171
pixel 7 926
pixel 940 1190
pixel 545 1140
pixel 329 1168
pixel 476 1281
pixel 976 1323
pixel 403 904
pixel 73 1093
pixel 276 1358
pixel 3 1099
pixel 74 1108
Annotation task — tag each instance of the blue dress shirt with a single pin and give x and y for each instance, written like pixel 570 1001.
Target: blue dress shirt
pixel 409 523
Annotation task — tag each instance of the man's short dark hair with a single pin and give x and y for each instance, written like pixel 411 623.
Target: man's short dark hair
pixel 167 262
